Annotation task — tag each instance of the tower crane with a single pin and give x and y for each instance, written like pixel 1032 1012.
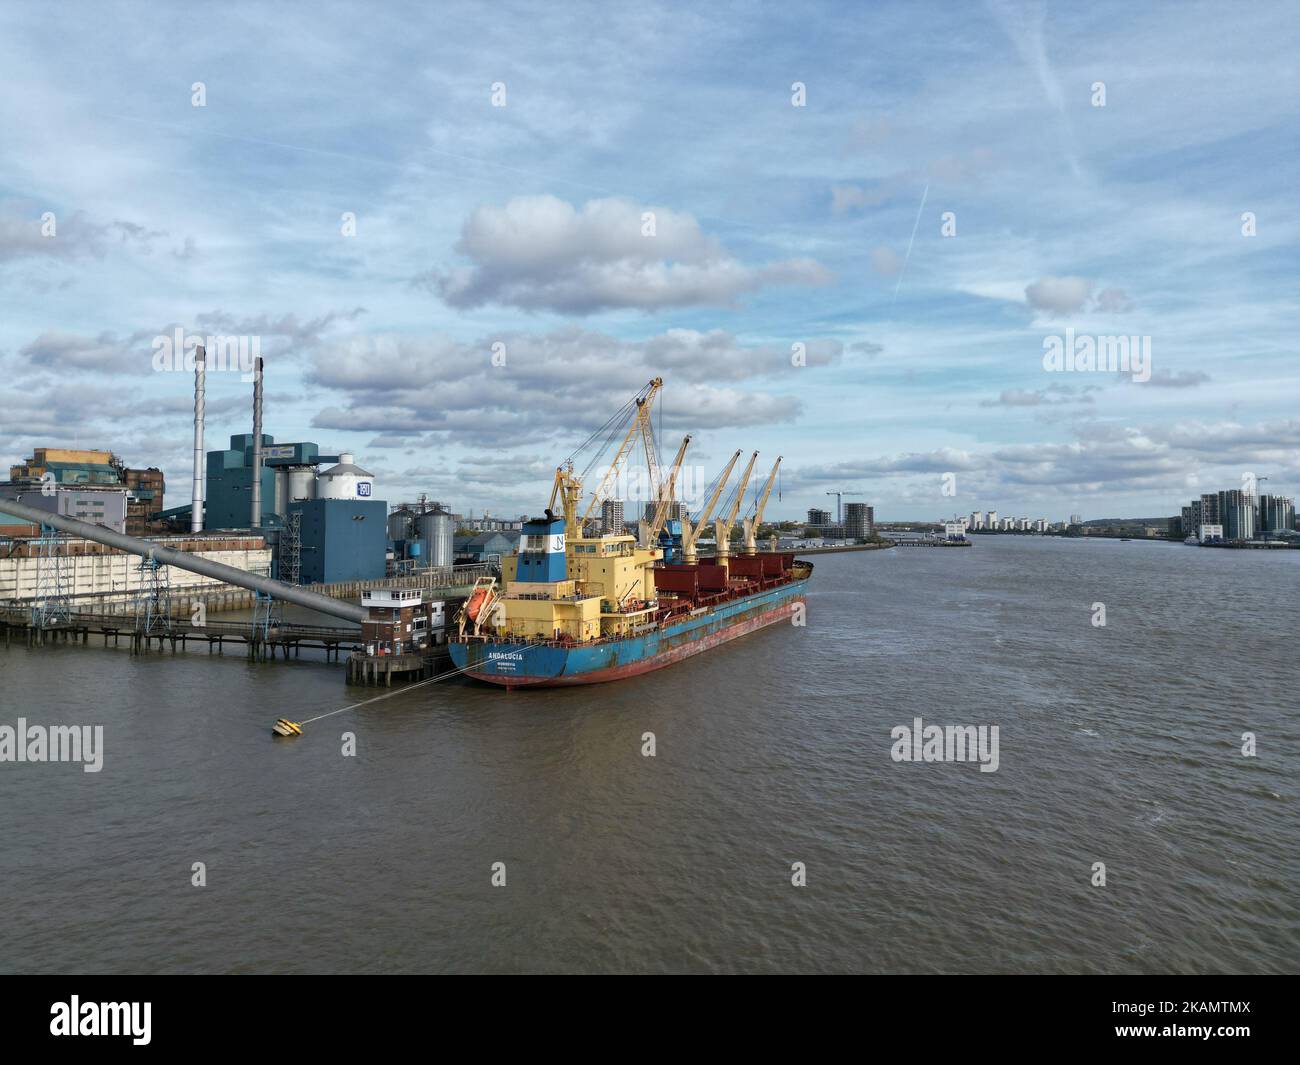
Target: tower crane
pixel 839 506
pixel 691 528
pixel 722 526
pixel 750 524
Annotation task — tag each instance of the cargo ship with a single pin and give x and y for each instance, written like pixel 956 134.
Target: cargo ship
pixel 577 606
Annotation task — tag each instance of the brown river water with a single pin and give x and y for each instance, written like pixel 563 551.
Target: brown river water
pixel 1118 744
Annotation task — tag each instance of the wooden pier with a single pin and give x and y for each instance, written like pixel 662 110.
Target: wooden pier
pixel 381 669
pixel 260 642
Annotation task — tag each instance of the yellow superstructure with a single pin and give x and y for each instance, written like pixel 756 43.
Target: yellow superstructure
pixel 608 587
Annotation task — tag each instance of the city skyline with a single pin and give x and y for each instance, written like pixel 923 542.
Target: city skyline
pixel 452 259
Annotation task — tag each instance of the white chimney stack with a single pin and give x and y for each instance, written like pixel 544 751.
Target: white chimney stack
pixel 196 496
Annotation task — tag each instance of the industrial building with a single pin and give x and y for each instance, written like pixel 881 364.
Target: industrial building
pixel 289 473
pixel 324 525
pixel 66 468
pixel 485 547
pixel 400 621
pixel 96 503
pixel 92 575
pixel 334 530
pixel 422 534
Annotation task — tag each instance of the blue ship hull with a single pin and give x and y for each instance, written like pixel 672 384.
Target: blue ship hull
pixel 523 664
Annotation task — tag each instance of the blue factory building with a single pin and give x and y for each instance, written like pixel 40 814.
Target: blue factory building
pixel 324 524
pixel 230 480
pixel 341 539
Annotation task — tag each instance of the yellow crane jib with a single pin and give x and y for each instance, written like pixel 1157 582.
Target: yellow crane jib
pixel 648 532
pixel 691 529
pixel 722 526
pixel 750 524
pixel 641 426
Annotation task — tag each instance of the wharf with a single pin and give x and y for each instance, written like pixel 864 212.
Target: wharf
pixel 261 642
pixel 381 669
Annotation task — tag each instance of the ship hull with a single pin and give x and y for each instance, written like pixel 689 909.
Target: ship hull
pixel 532 665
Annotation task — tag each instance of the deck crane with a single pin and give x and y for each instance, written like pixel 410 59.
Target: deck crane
pixel 648 531
pixel 750 524
pixel 567 488
pixel 722 526
pixel 691 528
pixel 641 427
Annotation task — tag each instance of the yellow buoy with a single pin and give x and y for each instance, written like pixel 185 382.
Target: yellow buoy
pixel 285 727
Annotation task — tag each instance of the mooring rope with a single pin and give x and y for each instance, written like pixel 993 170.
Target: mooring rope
pixel 388 695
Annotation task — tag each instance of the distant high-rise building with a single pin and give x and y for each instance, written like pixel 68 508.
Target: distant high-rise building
pixel 611 516
pixel 676 511
pixel 818 518
pixel 1210 509
pixel 976 519
pixel 1276 514
pixel 1237 514
pixel 1076 519
pixel 993 519
pixel 859 520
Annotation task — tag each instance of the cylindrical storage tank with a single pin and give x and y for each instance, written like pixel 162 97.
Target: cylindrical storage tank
pixel 302 483
pixel 400 525
pixel 434 530
pixel 345 481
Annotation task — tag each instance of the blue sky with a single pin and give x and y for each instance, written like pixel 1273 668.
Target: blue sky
pixel 774 225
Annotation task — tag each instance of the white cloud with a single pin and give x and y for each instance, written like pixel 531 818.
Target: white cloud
pixel 1059 296
pixel 539 253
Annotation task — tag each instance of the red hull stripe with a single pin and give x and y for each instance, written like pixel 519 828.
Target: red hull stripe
pixel 645 665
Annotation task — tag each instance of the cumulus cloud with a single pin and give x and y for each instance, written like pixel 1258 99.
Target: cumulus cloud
pixel 107 352
pixel 1113 301
pixel 26 233
pixel 540 253
pixel 1061 297
pixel 521 385
pixel 941 460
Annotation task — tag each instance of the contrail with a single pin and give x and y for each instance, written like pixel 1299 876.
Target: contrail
pixel 909 245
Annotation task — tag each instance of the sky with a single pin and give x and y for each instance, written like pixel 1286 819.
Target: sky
pixel 462 236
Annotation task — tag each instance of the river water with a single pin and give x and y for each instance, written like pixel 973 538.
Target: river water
pixel 1118 744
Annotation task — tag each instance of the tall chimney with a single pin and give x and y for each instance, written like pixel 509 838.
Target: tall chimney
pixel 255 521
pixel 196 496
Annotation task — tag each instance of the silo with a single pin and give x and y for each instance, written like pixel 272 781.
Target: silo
pixel 301 483
pixel 434 529
pixel 345 481
pixel 401 525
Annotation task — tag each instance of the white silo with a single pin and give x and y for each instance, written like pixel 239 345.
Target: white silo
pixel 345 481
